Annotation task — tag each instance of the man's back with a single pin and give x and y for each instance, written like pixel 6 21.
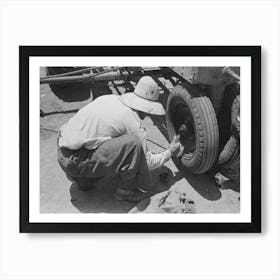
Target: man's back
pixel 106 117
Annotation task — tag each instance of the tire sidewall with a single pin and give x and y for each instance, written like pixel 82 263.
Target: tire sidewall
pixel 194 162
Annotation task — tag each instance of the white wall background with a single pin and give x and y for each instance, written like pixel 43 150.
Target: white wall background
pixel 138 256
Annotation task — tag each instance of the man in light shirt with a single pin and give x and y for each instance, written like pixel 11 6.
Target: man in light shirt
pixel 106 138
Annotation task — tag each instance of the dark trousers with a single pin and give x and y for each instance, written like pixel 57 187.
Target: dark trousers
pixel 122 158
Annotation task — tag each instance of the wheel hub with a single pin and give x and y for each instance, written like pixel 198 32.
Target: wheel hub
pixel 183 124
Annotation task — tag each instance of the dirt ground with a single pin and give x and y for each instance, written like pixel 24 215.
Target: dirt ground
pixel 59 195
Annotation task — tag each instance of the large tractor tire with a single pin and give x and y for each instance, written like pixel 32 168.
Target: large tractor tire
pixel 190 114
pixel 68 92
pixel 58 70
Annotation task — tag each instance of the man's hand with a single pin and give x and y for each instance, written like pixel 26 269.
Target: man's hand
pixel 174 146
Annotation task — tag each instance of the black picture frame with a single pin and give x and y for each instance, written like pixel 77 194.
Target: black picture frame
pixel 25 52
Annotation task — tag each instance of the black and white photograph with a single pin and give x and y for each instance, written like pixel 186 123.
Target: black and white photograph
pixel 167 137
pixel 140 139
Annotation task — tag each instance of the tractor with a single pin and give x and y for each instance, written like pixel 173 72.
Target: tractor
pixel 203 107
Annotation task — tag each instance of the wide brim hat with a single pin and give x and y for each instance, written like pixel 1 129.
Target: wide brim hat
pixel 140 104
pixel 144 98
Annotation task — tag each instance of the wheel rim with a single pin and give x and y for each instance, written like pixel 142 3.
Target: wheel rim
pixel 183 123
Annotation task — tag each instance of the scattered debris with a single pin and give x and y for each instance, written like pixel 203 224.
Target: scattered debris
pixel 176 202
pixel 230 182
pixel 170 201
pixel 220 179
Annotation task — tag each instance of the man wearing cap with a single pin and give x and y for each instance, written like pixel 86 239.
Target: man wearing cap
pixel 106 138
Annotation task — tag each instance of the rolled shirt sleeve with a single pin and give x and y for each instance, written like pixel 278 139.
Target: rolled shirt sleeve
pixel 154 161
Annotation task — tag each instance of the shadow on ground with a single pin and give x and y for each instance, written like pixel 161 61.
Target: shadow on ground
pixel 204 184
pixel 100 199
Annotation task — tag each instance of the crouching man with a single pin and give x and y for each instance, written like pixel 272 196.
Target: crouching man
pixel 106 138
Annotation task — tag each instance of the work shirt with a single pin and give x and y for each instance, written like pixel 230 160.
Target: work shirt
pixel 105 118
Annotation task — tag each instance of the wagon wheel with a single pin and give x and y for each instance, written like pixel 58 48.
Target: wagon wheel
pixel 190 113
